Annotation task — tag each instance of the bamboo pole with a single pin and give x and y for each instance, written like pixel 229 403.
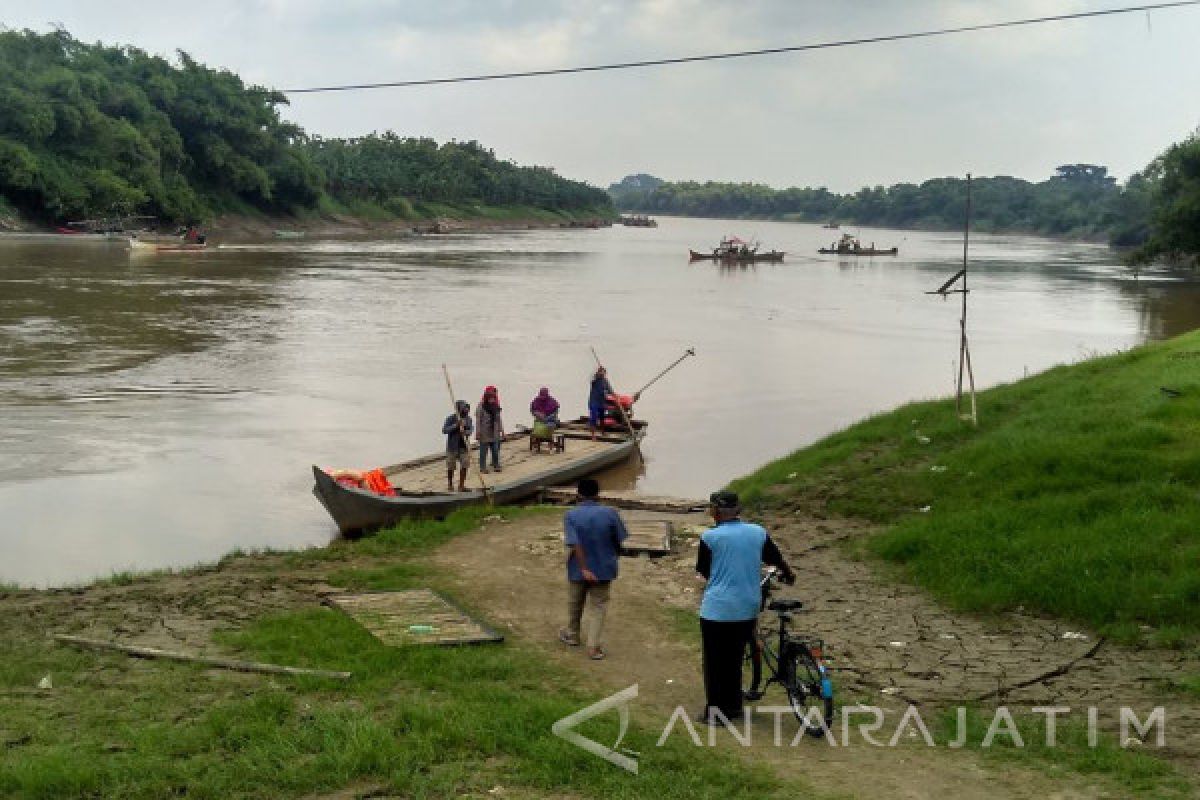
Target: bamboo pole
pixel 691 351
pixel 964 350
pixel 207 661
pixel 487 493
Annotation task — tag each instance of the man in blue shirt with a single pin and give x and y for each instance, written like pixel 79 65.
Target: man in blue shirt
pixel 593 538
pixel 730 559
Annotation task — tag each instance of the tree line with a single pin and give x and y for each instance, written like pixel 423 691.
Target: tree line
pixel 92 130
pixel 1156 213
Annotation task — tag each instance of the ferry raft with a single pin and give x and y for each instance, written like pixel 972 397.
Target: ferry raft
pixel 733 250
pixel 420 485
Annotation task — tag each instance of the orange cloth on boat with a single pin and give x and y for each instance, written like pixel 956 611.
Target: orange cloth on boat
pixel 378 483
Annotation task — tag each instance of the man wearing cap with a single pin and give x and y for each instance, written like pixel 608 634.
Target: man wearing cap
pixel 730 559
pixel 457 428
pixel 593 536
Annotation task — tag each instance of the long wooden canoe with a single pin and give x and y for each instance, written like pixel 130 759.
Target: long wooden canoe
pixel 421 484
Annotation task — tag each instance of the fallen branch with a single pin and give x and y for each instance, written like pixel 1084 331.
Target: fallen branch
pixel 208 661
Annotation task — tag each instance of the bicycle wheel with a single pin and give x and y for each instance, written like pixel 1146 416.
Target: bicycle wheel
pixel 752 663
pixel 809 691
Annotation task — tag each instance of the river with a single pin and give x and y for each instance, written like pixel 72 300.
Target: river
pixel 162 410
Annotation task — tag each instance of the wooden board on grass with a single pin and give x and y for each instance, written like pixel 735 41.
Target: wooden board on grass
pixel 413 616
pixel 651 536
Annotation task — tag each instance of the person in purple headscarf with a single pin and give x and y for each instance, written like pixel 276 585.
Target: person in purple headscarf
pixel 544 408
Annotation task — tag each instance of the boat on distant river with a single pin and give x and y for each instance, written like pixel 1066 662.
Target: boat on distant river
pixel 736 251
pixel 849 245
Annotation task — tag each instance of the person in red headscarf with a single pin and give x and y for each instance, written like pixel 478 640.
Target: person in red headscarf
pixel 489 428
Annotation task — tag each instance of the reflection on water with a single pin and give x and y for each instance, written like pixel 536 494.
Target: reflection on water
pixel 161 411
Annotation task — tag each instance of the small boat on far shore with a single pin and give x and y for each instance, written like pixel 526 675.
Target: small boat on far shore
pixel 289 234
pixel 638 221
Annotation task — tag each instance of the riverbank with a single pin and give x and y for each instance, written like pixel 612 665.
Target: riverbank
pixel 850 226
pixel 365 219
pixel 1075 497
pixel 475 721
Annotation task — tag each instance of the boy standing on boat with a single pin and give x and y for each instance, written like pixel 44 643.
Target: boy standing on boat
pixel 458 427
pixel 593 538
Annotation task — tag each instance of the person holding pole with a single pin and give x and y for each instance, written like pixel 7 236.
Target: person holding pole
pixel 458 427
pixel 597 398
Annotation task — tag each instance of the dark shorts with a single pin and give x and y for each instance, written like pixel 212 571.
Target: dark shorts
pixel 595 415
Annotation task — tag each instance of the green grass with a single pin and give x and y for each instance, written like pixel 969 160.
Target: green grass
pixel 1076 496
pixel 418 722
pixel 1137 772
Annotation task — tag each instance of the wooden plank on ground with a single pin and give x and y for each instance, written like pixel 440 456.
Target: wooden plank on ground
pixel 650 536
pixel 633 502
pixel 413 616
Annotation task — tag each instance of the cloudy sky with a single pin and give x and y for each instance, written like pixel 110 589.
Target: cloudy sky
pixel 1113 91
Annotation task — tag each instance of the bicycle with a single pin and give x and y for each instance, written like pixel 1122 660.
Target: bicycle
pixel 794 661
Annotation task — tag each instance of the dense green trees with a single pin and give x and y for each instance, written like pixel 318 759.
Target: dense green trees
pixel 391 171
pixel 1079 200
pixel 1169 195
pixel 89 130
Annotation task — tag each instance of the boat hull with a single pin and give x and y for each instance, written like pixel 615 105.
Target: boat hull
pixel 357 511
pixel 826 251
pixel 729 258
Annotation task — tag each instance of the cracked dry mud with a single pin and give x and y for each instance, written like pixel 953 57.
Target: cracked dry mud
pixel 889 644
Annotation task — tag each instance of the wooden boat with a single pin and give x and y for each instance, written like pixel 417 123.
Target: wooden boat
pixel 849 245
pixel 138 245
pixel 639 221
pixel 289 234
pixel 862 251
pixel 737 258
pixel 421 484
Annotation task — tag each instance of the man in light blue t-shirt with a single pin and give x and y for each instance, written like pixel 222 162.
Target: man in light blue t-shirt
pixel 730 559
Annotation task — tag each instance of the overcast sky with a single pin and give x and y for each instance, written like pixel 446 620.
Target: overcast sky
pixel 1113 91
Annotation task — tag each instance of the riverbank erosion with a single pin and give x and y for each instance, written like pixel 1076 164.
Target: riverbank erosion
pixel 476 721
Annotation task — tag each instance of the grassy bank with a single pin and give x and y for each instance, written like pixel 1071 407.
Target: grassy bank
pixel 413 722
pixel 1076 496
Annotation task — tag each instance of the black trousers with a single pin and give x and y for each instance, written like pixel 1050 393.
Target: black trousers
pixel 724 647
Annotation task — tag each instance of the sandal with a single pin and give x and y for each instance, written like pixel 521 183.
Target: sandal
pixel 596 654
pixel 567 639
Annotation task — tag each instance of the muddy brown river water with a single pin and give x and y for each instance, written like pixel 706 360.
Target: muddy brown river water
pixel 163 410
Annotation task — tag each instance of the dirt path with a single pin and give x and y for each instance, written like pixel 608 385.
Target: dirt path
pixel 890 644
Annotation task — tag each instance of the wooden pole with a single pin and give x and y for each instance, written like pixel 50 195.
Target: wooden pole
pixel 625 417
pixel 691 351
pixel 964 349
pixel 463 435
pixel 207 661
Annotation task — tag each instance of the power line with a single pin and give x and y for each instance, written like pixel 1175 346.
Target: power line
pixel 658 62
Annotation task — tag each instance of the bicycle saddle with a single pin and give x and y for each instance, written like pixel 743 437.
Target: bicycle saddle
pixel 785 605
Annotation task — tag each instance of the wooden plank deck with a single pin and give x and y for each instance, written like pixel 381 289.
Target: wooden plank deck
pixel 413 616
pixel 516 460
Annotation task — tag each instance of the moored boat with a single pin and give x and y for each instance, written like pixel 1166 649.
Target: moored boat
pixel 419 485
pixel 281 234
